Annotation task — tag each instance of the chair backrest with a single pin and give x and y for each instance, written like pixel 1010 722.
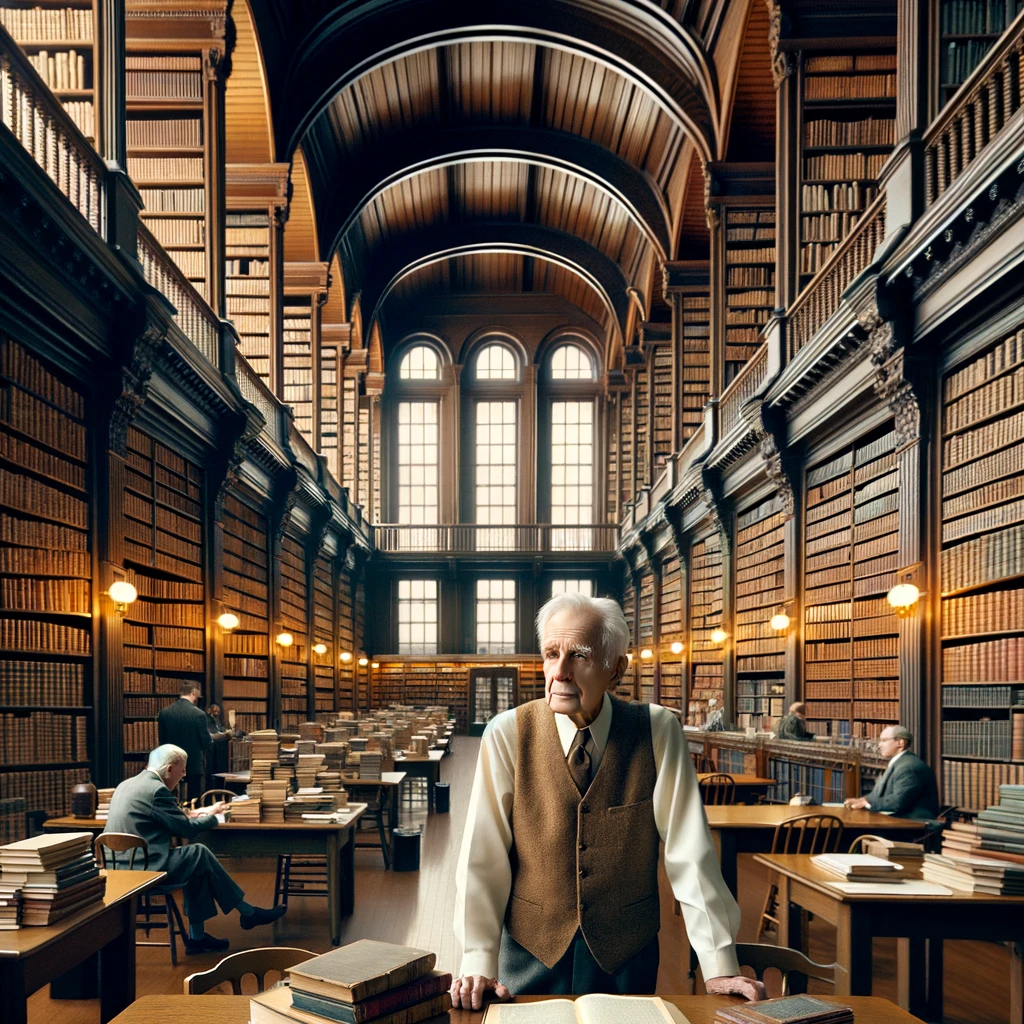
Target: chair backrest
pixel 120 842
pixel 703 764
pixel 257 962
pixel 718 789
pixel 857 845
pixel 808 833
pixel 793 967
pixel 212 796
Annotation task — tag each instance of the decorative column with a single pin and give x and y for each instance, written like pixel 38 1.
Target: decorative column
pixel 216 68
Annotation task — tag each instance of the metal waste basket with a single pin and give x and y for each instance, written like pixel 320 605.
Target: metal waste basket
pixel 442 797
pixel 405 849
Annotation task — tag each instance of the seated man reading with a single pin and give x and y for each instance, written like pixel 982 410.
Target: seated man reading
pixel 557 881
pixel 907 788
pixel 144 806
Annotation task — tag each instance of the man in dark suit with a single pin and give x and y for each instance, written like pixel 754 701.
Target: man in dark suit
pixel 907 788
pixel 143 806
pixel 794 726
pixel 184 725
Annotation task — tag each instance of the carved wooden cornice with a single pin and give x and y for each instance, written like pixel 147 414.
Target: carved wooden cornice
pixel 134 381
pixel 237 450
pixel 784 64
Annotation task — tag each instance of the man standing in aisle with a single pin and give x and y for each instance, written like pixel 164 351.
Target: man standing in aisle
pixel 184 725
pixel 143 806
pixel 907 788
pixel 557 881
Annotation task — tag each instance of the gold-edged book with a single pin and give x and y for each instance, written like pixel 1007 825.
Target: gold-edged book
pixel 361 969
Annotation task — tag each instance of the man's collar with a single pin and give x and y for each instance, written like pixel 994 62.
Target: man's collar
pixel 895 757
pixel 599 727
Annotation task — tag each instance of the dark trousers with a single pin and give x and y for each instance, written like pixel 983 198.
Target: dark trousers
pixel 207 884
pixel 193 785
pixel 577 973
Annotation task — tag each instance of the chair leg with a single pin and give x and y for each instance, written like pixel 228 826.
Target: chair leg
pixel 766 911
pixel 383 838
pixel 277 879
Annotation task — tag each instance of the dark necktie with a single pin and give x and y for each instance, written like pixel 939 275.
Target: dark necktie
pixel 579 761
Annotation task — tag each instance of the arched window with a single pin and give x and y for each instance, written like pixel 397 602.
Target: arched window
pixel 420 363
pixel 570 362
pixel 495 362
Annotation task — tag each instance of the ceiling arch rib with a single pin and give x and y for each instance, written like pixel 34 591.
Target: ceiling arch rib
pixel 634 37
pixel 561 151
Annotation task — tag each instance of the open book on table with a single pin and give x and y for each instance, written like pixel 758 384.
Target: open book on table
pixel 592 1009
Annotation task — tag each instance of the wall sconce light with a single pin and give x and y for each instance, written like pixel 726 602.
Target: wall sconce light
pixel 719 635
pixel 319 648
pixel 374 664
pixel 363 662
pixel 285 639
pixel 646 654
pixel 780 621
pixel 122 593
pixel 676 648
pixel 346 656
pixel 228 621
pixel 903 597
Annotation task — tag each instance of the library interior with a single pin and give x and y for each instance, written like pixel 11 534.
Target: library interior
pixel 397 393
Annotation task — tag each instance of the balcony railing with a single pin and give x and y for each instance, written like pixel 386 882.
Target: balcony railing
pixel 469 538
pixel 742 389
pixel 979 111
pixel 256 393
pixel 821 298
pixel 38 121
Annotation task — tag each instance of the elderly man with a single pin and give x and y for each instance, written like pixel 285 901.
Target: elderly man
pixel 794 726
pixel 557 881
pixel 907 788
pixel 143 806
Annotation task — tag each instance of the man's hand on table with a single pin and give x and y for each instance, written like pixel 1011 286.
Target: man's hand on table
pixel 857 803
pixel 468 993
pixel 738 986
pixel 221 807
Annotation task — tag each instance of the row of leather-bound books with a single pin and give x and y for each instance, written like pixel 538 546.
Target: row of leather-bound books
pixel 42 736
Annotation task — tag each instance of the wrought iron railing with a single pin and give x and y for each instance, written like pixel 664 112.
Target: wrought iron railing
pixel 742 389
pixel 978 112
pixel 467 538
pixel 256 393
pixel 38 121
pixel 821 298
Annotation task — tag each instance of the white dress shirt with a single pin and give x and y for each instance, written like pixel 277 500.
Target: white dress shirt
pixel 483 876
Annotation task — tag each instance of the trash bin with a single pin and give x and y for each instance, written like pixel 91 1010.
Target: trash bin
pixel 442 797
pixel 405 849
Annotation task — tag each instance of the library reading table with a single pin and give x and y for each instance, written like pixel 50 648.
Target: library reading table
pixel 748 787
pixel 428 768
pixel 218 1009
pixel 33 957
pixel 912 919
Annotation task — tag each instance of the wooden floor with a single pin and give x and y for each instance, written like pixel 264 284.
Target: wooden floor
pixel 416 908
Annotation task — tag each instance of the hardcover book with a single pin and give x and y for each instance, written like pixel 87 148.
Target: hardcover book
pixel 360 970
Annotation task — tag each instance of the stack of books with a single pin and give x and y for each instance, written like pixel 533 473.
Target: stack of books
pixel 10 906
pixel 859 867
pixel 997 833
pixel 275 792
pixel 264 745
pixel 801 1009
pixel 365 982
pixel 56 875
pixel 975 874
pixel 261 770
pixel 909 855
pixel 307 768
pixel 369 765
pixel 246 810
pixel 103 803
pixel 303 804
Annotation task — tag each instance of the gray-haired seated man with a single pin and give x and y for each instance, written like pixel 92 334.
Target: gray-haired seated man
pixel 144 806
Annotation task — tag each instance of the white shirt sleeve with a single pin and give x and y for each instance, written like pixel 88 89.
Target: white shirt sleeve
pixel 483 870
pixel 711 914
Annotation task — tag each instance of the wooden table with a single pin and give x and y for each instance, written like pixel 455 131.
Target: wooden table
pixel 913 920
pixel 748 787
pixel 268 839
pixel 218 1009
pixel 390 781
pixel 428 768
pixel 751 829
pixel 33 957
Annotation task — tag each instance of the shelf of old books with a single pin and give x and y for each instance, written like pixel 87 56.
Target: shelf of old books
pixel 968 29
pixel 760 593
pixel 294 620
pixel 45 583
pixel 749 281
pixel 671 629
pixel 847 130
pixel 981 564
pixel 246 594
pixel 697 357
pixel 58 39
pixel 662 404
pixel 298 363
pixel 646 665
pixel 851 536
pixel 706 656
pixel 346 641
pixel 247 285
pixel 641 424
pixel 164 631
pixel 323 633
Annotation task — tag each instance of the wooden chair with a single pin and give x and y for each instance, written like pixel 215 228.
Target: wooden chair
pixel 718 789
pixel 124 842
pixel 375 811
pixel 702 764
pixel 808 833
pixel 784 971
pixel 212 796
pixel 857 846
pixel 257 962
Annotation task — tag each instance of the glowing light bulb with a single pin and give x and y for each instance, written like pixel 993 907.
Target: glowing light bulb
pixel 646 654
pixel 719 636
pixel 364 662
pixel 780 621
pixel 319 648
pixel 228 621
pixel 676 648
pixel 346 656
pixel 285 639
pixel 374 664
pixel 902 598
pixel 122 593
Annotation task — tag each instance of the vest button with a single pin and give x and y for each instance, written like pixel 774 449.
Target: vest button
pixel 583 873
pixel 584 809
pixel 583 846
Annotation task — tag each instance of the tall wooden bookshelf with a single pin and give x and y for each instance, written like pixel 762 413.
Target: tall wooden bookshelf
pixel 760 593
pixel 346 641
pixel 642 424
pixel 661 403
pixel 362 679
pixel 294 619
pixel 696 358
pixel 330 401
pixel 323 633
pixel 246 593
pixel 968 29
pixel 847 131
pixel 298 363
pixel 247 285
pixel 749 281
pixel 851 650
pixel 627 683
pixel 646 692
pixel 164 631
pixel 982 564
pixel 671 629
pixel 627 449
pixel 705 602
pixel 59 40
pixel 349 430
pixel 46 686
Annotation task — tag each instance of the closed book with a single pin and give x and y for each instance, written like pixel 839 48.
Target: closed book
pixel 361 969
pixel 434 984
pixel 32 884
pixel 787 1010
pixel 37 875
pixel 275 1007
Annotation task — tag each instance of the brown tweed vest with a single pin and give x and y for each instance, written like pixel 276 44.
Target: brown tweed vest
pixel 590 862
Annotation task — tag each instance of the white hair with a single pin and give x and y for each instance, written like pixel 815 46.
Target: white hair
pixel 614 630
pixel 164 757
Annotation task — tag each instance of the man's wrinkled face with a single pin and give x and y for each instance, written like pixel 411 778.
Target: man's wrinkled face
pixel 174 774
pixel 575 676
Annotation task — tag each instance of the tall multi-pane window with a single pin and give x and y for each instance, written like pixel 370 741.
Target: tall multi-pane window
pixel 496 473
pixel 572 473
pixel 570 362
pixel 495 362
pixel 420 363
pixel 585 587
pixel 417 469
pixel 495 616
pixel 417 616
